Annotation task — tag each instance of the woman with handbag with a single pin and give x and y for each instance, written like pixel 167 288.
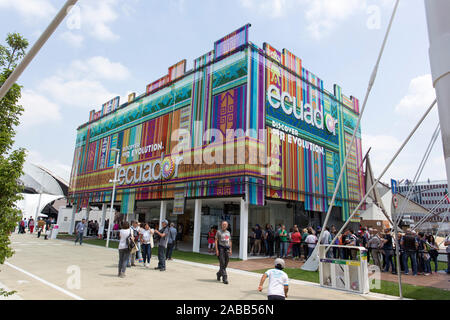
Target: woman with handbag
pixel 126 245
pixel 434 252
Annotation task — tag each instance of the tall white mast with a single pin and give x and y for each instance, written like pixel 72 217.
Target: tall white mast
pixel 439 34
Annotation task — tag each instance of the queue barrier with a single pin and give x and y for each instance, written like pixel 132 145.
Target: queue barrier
pixel 342 274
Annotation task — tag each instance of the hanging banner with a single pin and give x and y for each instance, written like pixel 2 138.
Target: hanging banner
pixel 179 202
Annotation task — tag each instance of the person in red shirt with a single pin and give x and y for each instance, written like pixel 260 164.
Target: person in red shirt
pixel 296 239
pixel 212 240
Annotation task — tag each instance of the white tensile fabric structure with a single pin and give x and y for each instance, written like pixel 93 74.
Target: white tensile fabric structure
pixel 41 187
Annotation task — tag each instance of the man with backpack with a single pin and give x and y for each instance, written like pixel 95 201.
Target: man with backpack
pixel 126 244
pixel 135 230
pixel 162 237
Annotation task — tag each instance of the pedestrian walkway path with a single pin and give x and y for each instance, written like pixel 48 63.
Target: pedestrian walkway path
pixel 56 269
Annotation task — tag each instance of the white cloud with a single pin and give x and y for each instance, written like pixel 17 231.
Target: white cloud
pixel 58 168
pixel 72 38
pixel 271 8
pixel 40 9
pixel 81 93
pixel 97 68
pixel 321 16
pixel 383 149
pixel 80 84
pixel 38 109
pixel 97 17
pixel 420 95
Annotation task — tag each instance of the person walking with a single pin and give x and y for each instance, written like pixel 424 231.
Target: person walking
pixel 311 241
pixel 146 239
pixel 81 226
pixel 284 242
pixel 21 226
pixel 125 237
pixel 296 239
pixel 40 227
pixel 326 239
pixel 163 238
pixel 31 225
pixel 251 237
pixel 447 250
pixel 426 255
pixel 258 238
pixel 223 250
pixel 388 249
pixel 278 282
pixel 434 251
pixel 212 240
pixel 171 241
pixel 269 239
pixel 375 245
pixel 410 245
pixel 277 240
pixel 180 232
pixel 136 255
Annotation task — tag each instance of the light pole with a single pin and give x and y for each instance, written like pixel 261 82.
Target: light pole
pixel 116 168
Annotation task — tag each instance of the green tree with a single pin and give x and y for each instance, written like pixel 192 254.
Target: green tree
pixel 11 161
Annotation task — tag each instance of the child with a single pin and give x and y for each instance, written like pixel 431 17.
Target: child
pixel 211 240
pixel 278 282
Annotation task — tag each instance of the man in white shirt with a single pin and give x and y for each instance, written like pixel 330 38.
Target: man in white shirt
pixel 278 282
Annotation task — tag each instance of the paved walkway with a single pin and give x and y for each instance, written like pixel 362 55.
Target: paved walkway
pixel 49 270
pixel 437 280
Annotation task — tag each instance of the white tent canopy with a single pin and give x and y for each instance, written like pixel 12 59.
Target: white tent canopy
pixel 30 203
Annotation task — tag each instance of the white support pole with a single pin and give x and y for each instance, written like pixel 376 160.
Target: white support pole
pixel 162 212
pixel 243 237
pixel 197 225
pixel 113 195
pixel 101 224
pixel 439 34
pixel 72 221
pixel 88 212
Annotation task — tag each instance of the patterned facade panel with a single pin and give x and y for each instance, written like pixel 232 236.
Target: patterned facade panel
pixel 299 172
pixel 354 174
pixel 231 42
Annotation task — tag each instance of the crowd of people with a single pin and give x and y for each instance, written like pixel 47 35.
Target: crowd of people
pixel 417 250
pixel 296 243
pixel 42 226
pixel 136 241
pixel 421 250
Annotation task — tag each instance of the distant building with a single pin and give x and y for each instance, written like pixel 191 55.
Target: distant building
pixel 373 216
pixel 430 195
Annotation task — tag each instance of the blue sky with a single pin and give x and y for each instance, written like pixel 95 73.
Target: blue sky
pixel 111 47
